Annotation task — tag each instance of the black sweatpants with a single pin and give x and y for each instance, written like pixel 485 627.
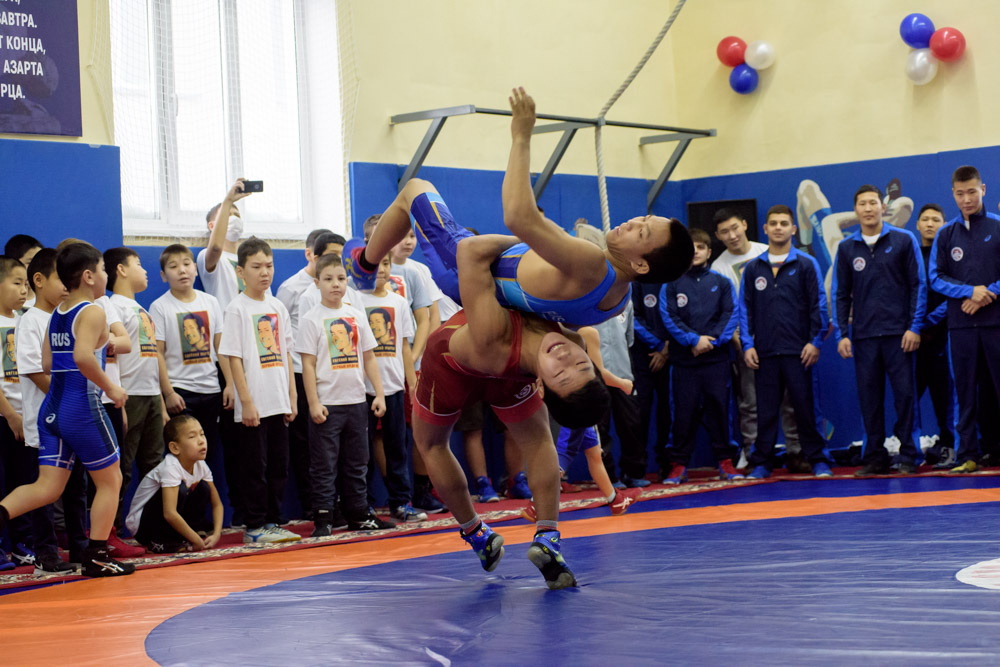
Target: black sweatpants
pixel 701 391
pixel 874 359
pixel 975 361
pixel 264 455
pixel 776 375
pixel 652 391
pixel 157 535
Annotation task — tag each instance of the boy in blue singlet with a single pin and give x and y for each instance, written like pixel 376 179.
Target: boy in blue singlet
pixel 551 274
pixel 72 421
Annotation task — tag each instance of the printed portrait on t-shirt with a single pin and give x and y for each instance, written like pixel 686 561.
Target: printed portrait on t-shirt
pixel 196 345
pixel 383 324
pixel 342 341
pixel 268 340
pixel 147 334
pixel 397 285
pixel 9 354
pixel 240 285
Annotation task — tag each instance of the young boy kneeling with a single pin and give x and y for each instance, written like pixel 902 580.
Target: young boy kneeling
pixel 169 506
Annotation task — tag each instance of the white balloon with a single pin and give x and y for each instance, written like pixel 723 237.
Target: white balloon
pixel 921 66
pixel 759 55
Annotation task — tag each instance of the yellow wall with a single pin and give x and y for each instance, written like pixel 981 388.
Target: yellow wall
pixel 570 54
pixel 90 15
pixel 836 93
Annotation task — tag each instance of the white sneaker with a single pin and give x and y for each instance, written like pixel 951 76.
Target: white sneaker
pixel 282 534
pixel 744 458
pixel 892 445
pixel 927 441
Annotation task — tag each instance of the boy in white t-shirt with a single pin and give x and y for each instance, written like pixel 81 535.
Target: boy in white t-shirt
pixel 30 337
pixel 217 261
pixel 392 324
pixel 257 340
pixel 170 506
pixel 337 346
pixel 140 369
pixel 15 458
pixel 188 326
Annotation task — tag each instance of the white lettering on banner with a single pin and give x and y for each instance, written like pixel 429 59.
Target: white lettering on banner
pixel 18 19
pixel 18 43
pixel 12 91
pixel 23 67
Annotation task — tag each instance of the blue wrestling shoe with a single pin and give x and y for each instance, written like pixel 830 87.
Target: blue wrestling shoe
pixel 519 488
pixel 351 254
pixel 487 494
pixel 760 472
pixel 487 545
pixel 5 562
pixel 677 475
pixel 544 553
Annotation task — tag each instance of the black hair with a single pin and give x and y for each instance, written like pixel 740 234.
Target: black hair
pixel 252 246
pixel 73 260
pixel 778 209
pixel 7 266
pixel 965 173
pixel 724 214
pixel 113 258
pixel 44 262
pixel 315 234
pixel 19 244
pixel 172 429
pixel 212 212
pixel 930 207
pixel 330 259
pixel 323 240
pixel 170 251
pixel 585 407
pixel 370 223
pixel 671 260
pixel 867 188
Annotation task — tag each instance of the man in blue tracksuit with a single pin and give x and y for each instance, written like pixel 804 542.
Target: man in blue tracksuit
pixel 700 312
pixel 965 267
pixel 878 271
pixel 782 322
pixel 651 367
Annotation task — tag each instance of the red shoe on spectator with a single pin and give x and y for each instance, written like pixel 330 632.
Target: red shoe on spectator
pixel 528 512
pixel 566 487
pixel 119 549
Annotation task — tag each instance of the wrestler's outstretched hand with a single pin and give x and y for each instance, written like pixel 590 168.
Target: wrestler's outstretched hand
pixel 523 119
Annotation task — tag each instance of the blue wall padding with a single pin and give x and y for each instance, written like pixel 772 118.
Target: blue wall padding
pixel 54 190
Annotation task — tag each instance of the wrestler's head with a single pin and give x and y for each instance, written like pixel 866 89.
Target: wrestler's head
pixel 574 392
pixel 656 249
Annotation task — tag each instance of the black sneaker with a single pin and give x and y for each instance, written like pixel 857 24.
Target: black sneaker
pixel 870 469
pixel 48 563
pixel 906 468
pixel 321 523
pixel 370 522
pixel 338 522
pixel 97 563
pixel 425 501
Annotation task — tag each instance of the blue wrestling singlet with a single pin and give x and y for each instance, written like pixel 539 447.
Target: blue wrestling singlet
pixel 438 235
pixel 72 422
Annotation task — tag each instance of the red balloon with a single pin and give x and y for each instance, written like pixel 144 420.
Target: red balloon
pixel 947 44
pixel 730 51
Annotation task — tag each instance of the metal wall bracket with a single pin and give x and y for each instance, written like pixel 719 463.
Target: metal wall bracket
pixel 683 140
pixel 568 125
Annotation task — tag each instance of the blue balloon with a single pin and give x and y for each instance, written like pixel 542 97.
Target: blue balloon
pixel 743 79
pixel 916 31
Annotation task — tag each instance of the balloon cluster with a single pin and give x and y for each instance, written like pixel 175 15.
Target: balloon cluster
pixel 746 60
pixel 930 46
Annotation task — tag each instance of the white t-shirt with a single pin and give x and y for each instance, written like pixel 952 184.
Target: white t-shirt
pixel 776 259
pixel 312 298
pixel 871 239
pixel 258 333
pixel 407 281
pixel 223 283
pixel 30 337
pixel 290 295
pixel 11 382
pixel 188 331
pixel 447 307
pixel 731 266
pixel 338 337
pixel 169 473
pixel 139 368
pixel 391 323
pixel 113 316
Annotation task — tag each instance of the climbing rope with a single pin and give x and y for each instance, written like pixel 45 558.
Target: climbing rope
pixel 602 184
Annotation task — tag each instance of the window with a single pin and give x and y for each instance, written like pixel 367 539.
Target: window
pixel 209 90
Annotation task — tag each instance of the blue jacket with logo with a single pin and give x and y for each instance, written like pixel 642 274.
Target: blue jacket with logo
pixel 646 322
pixel 885 284
pixel 779 314
pixel 702 302
pixel 962 258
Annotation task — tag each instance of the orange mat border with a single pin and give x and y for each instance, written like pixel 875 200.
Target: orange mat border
pixel 106 621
